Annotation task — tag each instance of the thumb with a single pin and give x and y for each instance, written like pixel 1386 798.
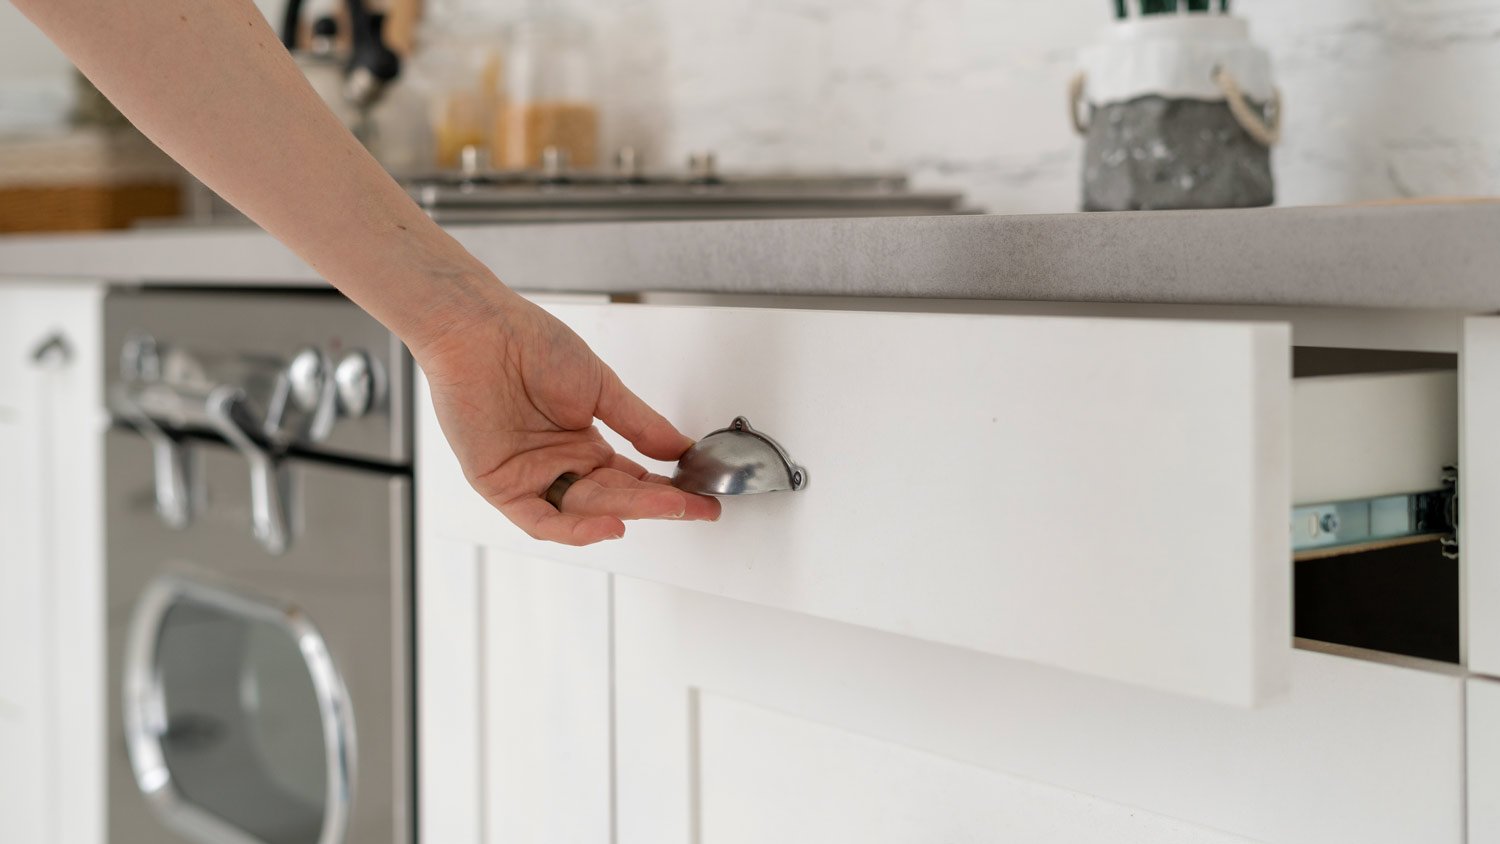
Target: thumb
pixel 649 431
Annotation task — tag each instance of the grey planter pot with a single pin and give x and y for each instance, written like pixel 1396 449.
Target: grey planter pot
pixel 1156 153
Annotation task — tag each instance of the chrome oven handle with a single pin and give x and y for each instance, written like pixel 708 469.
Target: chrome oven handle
pixel 169 459
pixel 268 504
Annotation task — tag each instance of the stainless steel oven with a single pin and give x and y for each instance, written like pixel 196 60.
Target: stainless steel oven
pixel 259 508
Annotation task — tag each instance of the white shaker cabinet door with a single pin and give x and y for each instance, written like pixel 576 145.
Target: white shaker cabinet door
pixel 24 587
pixel 1107 496
pixel 514 721
pixel 739 724
pixel 51 564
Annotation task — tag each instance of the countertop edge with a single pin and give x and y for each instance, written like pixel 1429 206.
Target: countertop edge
pixel 1437 256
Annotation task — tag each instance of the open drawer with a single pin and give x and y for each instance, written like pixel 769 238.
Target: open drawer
pixel 1106 496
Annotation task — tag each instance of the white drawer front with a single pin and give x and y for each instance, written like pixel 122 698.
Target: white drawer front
pixel 727 713
pixel 828 784
pixel 1106 496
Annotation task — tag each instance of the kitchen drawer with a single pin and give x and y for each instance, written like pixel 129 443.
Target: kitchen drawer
pixel 1108 496
pixel 738 723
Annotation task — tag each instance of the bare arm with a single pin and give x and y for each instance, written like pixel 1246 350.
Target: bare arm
pixel 210 83
pixel 516 392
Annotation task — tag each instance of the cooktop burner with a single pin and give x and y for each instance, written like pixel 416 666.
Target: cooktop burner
pixel 554 194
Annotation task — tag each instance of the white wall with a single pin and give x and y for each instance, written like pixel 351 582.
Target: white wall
pixel 24 53
pixel 1385 97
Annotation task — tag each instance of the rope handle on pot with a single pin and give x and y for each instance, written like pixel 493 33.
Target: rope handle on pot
pixel 1075 99
pixel 1267 135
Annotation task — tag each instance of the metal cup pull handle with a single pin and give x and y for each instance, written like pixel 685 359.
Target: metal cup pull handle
pixel 268 495
pixel 738 460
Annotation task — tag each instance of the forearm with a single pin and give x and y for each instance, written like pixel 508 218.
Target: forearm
pixel 210 83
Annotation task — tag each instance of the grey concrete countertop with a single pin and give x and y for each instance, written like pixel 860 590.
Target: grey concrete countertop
pixel 1444 256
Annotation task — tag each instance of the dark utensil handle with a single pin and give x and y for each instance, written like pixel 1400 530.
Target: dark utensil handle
pixel 291 20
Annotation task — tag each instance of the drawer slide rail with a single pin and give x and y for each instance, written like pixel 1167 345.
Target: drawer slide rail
pixel 1346 527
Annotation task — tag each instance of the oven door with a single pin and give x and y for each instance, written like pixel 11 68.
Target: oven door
pixel 259 699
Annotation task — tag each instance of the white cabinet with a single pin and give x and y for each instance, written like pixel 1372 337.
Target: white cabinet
pixel 51 575
pixel 738 723
pixel 1037 589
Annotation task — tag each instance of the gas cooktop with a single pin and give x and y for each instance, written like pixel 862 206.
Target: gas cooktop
pixel 554 193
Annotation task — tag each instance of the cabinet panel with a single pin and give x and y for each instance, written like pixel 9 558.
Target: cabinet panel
pixel 23 788
pixel 547 718
pixel 20 596
pixel 76 420
pixel 26 767
pixel 22 569
pixel 1364 436
pixel 1355 751
pixel 515 736
pixel 14 334
pixel 1484 761
pixel 449 672
pixel 1479 493
pixel 51 565
pixel 1107 496
pixel 768 776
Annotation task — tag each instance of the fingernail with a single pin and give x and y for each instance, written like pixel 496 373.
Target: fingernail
pixel 612 538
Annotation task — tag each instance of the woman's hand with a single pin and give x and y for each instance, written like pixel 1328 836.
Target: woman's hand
pixel 517 394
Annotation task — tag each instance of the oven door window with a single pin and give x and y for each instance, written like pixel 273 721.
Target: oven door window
pixel 237 723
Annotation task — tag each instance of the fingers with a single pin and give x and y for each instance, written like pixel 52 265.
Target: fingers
pixel 532 471
pixel 696 507
pixel 624 465
pixel 647 430
pixel 630 500
pixel 542 521
pixel 594 508
pixel 621 463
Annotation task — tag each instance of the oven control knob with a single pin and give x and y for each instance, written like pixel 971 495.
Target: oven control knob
pixel 358 379
pixel 307 374
pixel 140 359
